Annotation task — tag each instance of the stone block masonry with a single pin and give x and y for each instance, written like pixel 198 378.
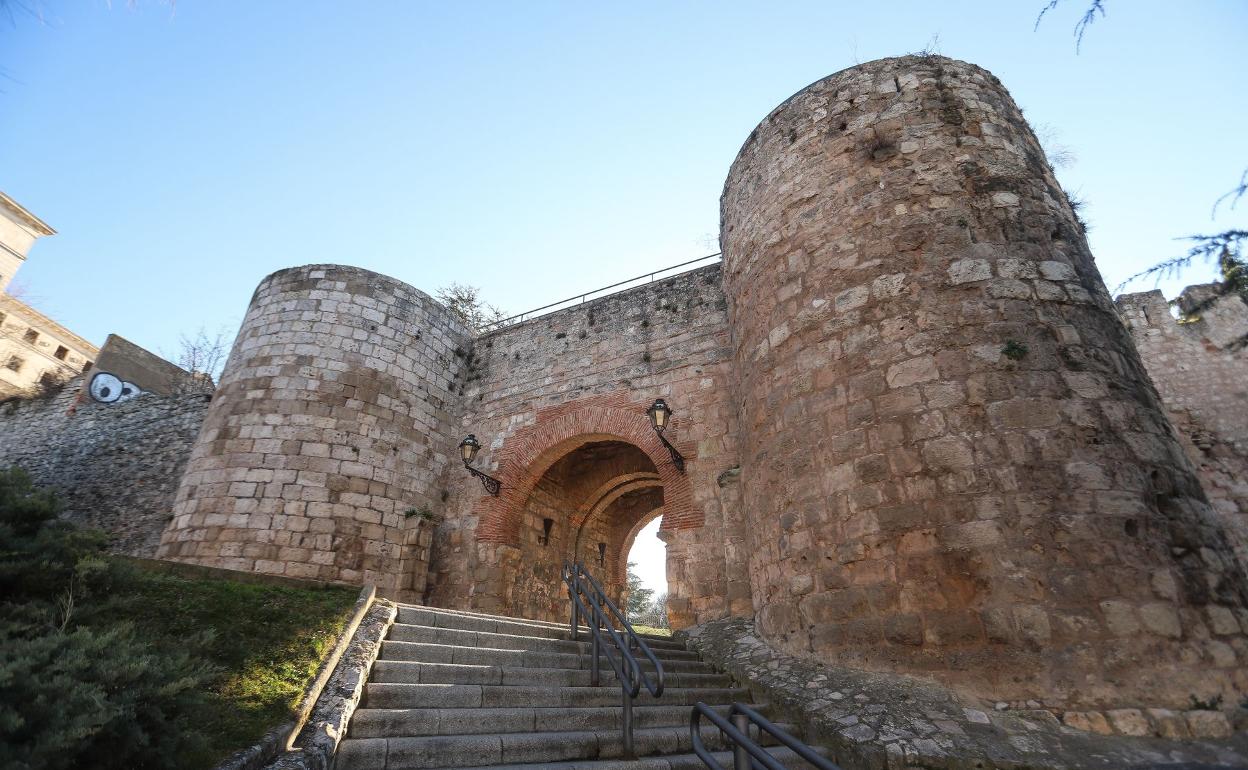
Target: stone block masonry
pixel 919 439
pixel 541 389
pixel 1201 372
pixel 324 447
pixel 114 466
pixel 953 463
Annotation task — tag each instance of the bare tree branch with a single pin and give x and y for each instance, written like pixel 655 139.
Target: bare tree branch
pixel 1097 7
pixel 203 355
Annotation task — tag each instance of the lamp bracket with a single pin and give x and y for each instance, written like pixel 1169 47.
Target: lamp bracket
pixel 677 458
pixel 491 484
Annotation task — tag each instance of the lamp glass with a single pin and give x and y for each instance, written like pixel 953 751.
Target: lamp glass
pixel 659 413
pixel 469 447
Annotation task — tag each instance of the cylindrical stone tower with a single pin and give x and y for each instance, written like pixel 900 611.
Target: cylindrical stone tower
pixel 321 453
pixel 953 462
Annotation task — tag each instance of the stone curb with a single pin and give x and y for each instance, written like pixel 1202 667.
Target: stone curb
pixel 362 605
pixel 316 743
pixel 282 737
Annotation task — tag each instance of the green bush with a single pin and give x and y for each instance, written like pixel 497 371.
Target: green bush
pixel 216 664
pixel 42 557
pixel 71 695
pixel 101 699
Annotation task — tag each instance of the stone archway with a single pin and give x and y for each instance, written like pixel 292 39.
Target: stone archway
pixel 580 509
pixel 518 574
pixel 530 452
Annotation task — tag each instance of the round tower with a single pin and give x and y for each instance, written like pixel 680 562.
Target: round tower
pixel 953 462
pixel 321 452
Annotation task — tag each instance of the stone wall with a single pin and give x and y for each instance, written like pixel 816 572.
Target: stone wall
pixel 1201 374
pixel 953 463
pixel 323 452
pixel 918 437
pixel 540 390
pixel 115 466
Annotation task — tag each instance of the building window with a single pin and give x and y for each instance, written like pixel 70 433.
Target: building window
pixel 14 363
pixel 30 336
pixel 61 352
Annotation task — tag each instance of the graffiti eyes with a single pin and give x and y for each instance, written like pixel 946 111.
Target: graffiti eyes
pixel 108 388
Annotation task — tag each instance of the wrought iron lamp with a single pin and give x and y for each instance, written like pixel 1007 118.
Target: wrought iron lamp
pixel 660 415
pixel 468 449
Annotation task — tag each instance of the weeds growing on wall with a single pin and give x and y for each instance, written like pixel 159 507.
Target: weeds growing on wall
pixel 106 665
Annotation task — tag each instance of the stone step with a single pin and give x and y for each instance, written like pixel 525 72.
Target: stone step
pixel 407 632
pixel 422 753
pixel 395 723
pixel 783 755
pixel 415 672
pixel 669 761
pixel 547 623
pixel 449 653
pixel 425 616
pixel 379 695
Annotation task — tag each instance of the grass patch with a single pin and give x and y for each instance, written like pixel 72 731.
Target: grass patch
pixel 652 630
pixel 266 643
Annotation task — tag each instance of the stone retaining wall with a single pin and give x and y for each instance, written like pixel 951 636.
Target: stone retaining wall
pixel 876 721
pixel 115 466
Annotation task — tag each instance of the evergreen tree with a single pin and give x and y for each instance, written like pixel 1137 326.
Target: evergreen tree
pixel 639 597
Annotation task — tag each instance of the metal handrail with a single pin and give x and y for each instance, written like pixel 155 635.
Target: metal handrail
pixel 584 589
pixel 529 315
pixel 747 754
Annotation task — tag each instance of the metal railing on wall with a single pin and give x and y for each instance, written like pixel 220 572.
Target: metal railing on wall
pixel 605 291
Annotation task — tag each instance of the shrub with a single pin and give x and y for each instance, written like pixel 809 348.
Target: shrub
pixel 95 698
pixel 80 688
pixel 73 696
pixel 45 562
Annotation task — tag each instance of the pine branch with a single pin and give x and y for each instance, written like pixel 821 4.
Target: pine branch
pixel 1234 193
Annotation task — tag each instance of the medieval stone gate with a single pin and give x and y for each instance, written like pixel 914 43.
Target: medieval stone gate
pixel 920 439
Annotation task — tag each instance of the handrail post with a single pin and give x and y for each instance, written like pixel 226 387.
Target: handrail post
pixel 628 725
pixel 740 757
pixel 574 590
pixel 593 652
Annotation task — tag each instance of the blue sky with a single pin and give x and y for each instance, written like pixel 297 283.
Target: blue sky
pixel 534 149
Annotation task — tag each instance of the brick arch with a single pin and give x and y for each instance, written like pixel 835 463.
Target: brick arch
pixel 529 452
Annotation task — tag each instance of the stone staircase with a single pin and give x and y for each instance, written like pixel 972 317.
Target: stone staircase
pixel 460 689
